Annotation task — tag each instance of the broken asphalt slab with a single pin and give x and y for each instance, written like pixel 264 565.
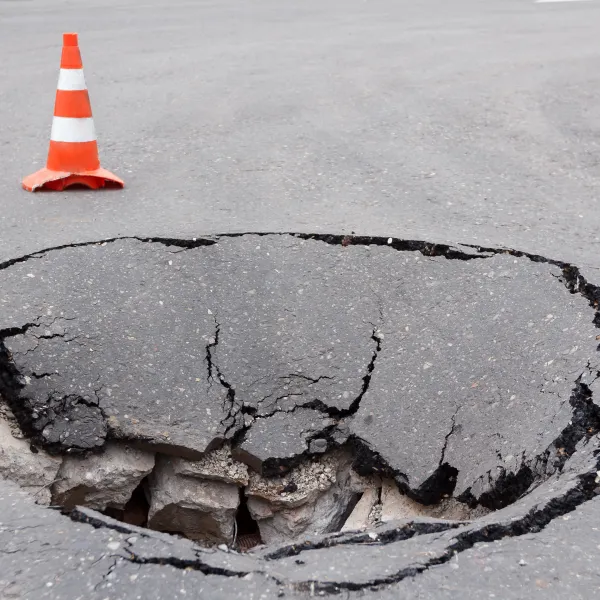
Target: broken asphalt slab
pixel 551 550
pixel 424 358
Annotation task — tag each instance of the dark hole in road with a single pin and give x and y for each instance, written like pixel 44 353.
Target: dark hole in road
pixel 247 531
pixel 135 512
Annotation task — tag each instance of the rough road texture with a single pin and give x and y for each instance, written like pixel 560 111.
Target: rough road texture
pixel 455 371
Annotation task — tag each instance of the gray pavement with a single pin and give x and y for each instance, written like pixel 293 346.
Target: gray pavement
pixel 459 121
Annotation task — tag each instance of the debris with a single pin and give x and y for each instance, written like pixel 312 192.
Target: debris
pixel 202 510
pixel 359 518
pixel 217 465
pixel 318 502
pixel 310 479
pixel 34 472
pixel 317 446
pixel 101 480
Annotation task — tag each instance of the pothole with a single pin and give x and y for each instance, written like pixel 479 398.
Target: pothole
pixel 255 390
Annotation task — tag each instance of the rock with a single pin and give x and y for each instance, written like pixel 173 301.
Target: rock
pixel 217 465
pixel 319 503
pixel 34 472
pixel 359 518
pixel 201 509
pixel 317 446
pixel 102 480
pixel 281 525
pixel 322 515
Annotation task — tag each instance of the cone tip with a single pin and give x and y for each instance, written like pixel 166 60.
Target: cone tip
pixel 70 39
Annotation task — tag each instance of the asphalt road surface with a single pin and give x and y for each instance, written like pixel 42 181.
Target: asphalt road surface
pixel 454 122
pixel 461 121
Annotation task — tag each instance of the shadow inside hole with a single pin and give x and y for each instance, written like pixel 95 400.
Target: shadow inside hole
pixel 248 533
pixel 135 511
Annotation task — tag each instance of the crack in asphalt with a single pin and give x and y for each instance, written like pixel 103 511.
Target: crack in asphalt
pixel 397 534
pixel 272 466
pixel 98 521
pixel 179 243
pixel 448 436
pixel 319 405
pixel 230 390
pixel 183 563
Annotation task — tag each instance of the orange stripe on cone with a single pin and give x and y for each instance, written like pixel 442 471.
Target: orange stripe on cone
pixel 72 104
pixel 71 57
pixel 76 157
pixel 73 153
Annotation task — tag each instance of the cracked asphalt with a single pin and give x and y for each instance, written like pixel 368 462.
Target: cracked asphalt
pixel 179 349
pixel 466 374
pixel 455 123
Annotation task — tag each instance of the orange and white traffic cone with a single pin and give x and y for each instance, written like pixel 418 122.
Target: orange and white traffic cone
pixel 73 154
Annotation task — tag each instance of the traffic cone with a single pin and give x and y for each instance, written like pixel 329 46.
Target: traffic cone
pixel 73 154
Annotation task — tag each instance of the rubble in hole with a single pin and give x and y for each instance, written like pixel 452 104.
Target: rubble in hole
pixel 314 497
pixel 387 503
pixel 203 499
pixel 201 509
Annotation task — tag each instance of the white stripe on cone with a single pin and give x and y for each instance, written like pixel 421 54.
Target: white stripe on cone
pixel 71 79
pixel 66 129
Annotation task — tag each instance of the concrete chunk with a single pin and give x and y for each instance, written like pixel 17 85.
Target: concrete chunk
pixel 202 510
pixel 34 472
pixel 102 480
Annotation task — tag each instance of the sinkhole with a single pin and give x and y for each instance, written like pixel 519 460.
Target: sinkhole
pixel 256 389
